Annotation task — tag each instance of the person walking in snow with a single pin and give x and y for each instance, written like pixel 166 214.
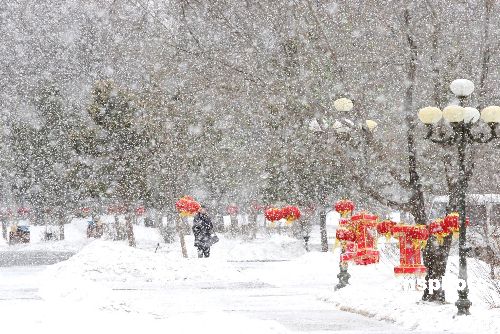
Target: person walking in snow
pixel 202 230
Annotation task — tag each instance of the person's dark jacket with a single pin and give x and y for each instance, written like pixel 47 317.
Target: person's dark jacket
pixel 202 230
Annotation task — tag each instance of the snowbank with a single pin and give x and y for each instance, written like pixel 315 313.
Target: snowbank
pixel 89 284
pixel 103 260
pixel 275 247
pixel 374 291
pixel 379 294
pixel 103 265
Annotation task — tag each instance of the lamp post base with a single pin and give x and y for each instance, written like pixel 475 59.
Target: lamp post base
pixel 343 277
pixel 306 243
pixel 463 304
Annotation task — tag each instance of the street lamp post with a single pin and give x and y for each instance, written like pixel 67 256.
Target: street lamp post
pixel 341 127
pixel 461 120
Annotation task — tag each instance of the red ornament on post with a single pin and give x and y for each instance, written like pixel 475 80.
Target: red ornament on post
pixel 385 228
pixel 411 239
pixel 187 206
pixel 141 210
pixel 344 207
pixel 232 210
pixel 273 214
pixel 290 213
pixel 347 238
pixel 256 207
pixel 438 230
pixel 365 225
pixel 344 234
pixel 23 211
pixel 451 223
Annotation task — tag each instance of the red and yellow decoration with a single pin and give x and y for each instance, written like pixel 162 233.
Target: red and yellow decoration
pixel 451 223
pixel 412 239
pixel 419 235
pixel 187 206
pixel 117 209
pixel 141 210
pixel 356 235
pixel 441 228
pixel 273 214
pixel 23 211
pixel 346 236
pixel 257 207
pixel 232 210
pixel 290 213
pixel 364 224
pixel 344 207
pixel 438 230
pixel 385 228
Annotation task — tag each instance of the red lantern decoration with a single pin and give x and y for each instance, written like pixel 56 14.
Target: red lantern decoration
pixel 273 214
pixel 187 206
pixel 23 211
pixel 365 225
pixel 256 206
pixel 438 230
pixel 140 211
pixel 344 234
pixel 232 210
pixel 451 223
pixel 385 228
pixel 7 213
pixel 411 239
pixel 344 207
pixel 419 235
pixel 344 222
pixel 290 213
pixel 347 239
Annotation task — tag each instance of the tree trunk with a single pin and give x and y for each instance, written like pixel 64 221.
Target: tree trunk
pixel 129 228
pixel 120 235
pixel 4 229
pixel 61 228
pixel 233 227
pixel 254 226
pixel 181 237
pixel 168 230
pixel 417 203
pixel 322 229
pixel 435 256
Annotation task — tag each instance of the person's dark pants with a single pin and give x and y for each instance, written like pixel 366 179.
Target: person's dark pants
pixel 203 251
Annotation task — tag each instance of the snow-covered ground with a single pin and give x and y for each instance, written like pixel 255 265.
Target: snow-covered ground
pixel 269 285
